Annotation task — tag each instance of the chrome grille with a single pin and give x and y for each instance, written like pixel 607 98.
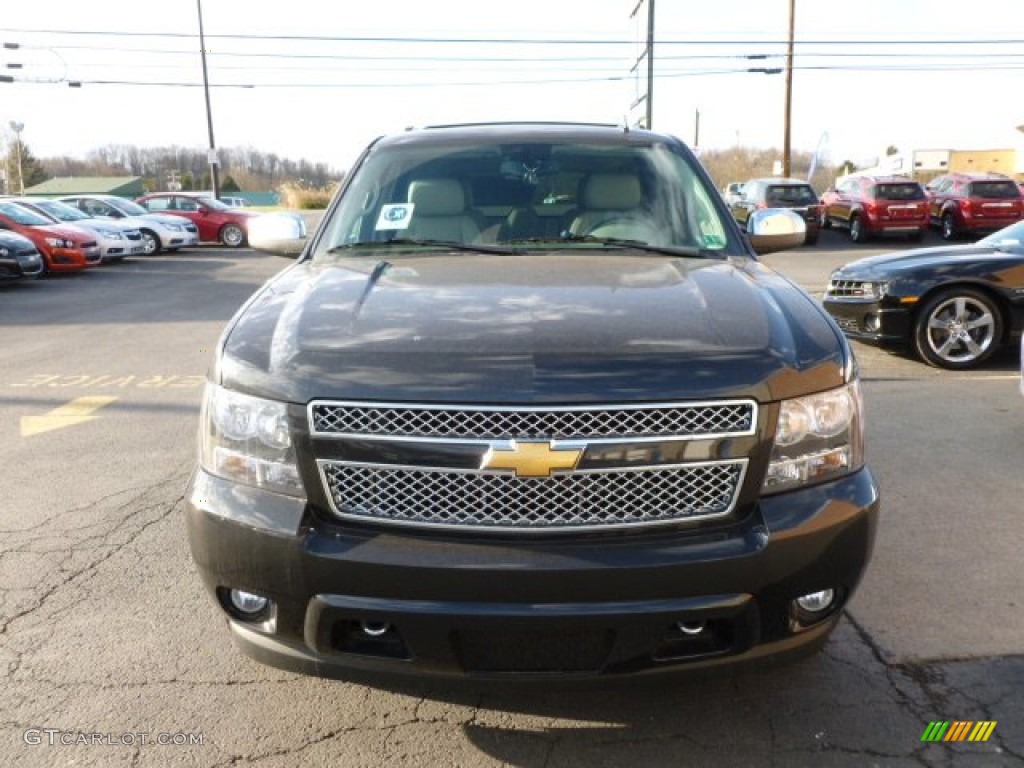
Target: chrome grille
pixel 697 420
pixel 856 289
pixel 492 501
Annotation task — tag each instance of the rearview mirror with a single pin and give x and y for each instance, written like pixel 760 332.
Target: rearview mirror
pixel 283 234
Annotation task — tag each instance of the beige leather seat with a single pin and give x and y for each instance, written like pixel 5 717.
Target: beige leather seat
pixel 440 212
pixel 608 197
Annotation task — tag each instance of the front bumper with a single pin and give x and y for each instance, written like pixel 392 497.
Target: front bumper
pixel 514 607
pixel 178 238
pixel 73 259
pixel 877 322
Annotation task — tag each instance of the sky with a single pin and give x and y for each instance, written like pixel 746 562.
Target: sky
pixel 319 79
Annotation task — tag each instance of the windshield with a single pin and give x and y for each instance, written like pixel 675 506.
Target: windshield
pixel 1009 239
pixel 127 207
pixel 21 215
pixel 529 196
pixel 61 211
pixel 210 202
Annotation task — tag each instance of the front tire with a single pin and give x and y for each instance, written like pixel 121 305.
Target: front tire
pixel 232 236
pixel 957 328
pixel 150 243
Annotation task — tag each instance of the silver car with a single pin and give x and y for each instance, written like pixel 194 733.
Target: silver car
pixel 115 238
pixel 160 231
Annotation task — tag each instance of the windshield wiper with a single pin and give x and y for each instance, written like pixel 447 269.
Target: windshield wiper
pixel 626 244
pixel 450 245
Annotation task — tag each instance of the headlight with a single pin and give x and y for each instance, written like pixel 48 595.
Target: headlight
pixel 174 227
pixel 59 242
pixel 3 251
pixel 817 438
pixel 876 290
pixel 111 234
pixel 248 440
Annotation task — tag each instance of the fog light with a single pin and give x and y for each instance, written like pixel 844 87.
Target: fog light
pixel 247 603
pixel 873 323
pixel 816 602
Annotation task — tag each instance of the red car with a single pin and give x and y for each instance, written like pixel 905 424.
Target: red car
pixel 876 205
pixel 960 203
pixel 216 221
pixel 64 247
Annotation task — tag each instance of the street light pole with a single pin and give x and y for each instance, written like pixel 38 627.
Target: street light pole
pixel 214 173
pixel 18 128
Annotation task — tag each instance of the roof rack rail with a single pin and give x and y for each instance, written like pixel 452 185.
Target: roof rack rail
pixel 521 122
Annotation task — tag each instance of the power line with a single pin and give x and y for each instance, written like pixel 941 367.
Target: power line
pixel 506 40
pixel 535 82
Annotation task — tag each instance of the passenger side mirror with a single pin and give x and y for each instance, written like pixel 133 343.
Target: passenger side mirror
pixel 775 229
pixel 282 234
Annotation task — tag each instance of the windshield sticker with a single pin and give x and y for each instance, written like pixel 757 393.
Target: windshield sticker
pixel 395 216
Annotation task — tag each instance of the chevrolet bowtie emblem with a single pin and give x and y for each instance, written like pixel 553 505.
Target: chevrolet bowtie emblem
pixel 531 459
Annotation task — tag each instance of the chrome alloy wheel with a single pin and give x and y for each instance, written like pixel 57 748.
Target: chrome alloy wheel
pixel 960 330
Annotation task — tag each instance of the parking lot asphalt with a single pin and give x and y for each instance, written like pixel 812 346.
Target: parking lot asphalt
pixel 109 645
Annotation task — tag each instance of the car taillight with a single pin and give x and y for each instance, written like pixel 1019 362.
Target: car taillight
pixel 872 207
pixel 967 207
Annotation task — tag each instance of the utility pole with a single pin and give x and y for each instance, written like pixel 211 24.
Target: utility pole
pixel 18 128
pixel 650 64
pixel 214 174
pixel 786 148
pixel 648 51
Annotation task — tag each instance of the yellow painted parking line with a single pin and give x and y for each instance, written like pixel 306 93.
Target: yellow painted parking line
pixel 108 381
pixel 78 411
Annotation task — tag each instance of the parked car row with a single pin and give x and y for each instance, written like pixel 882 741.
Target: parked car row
pixel 870 206
pixel 72 233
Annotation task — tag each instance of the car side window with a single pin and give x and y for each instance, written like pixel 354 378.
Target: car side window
pixel 186 204
pixel 156 204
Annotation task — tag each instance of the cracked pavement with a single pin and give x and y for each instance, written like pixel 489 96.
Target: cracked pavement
pixel 105 628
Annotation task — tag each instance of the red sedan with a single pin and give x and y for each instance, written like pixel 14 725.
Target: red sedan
pixel 216 221
pixel 64 247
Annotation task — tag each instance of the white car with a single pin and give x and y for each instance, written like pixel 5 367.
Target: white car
pixel 160 231
pixel 732 192
pixel 115 238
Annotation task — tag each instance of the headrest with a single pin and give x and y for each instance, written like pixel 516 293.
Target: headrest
pixel 437 197
pixel 612 192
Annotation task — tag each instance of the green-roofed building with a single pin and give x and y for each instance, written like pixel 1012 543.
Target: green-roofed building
pixel 124 186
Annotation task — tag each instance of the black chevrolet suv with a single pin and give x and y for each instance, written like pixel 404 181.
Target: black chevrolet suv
pixel 528 405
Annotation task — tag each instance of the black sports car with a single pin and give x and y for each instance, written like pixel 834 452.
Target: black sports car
pixel 953 305
pixel 18 257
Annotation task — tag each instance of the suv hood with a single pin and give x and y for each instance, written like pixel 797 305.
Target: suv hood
pixel 557 328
